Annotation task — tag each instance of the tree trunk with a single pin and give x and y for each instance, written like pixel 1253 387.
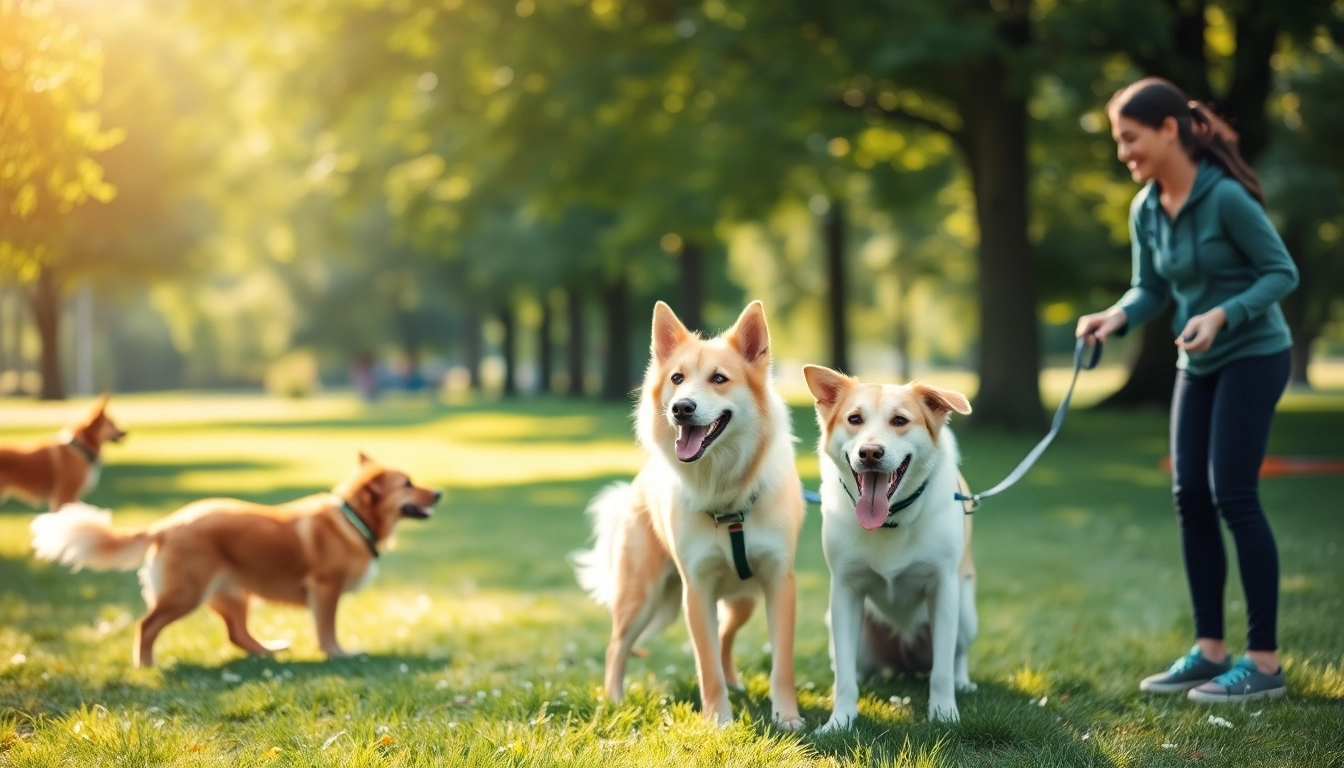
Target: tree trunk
pixel 995 119
pixel 577 341
pixel 18 315
pixel 691 311
pixel 1298 377
pixel 509 350
pixel 902 340
pixel 616 383
pixel 1152 374
pixel 46 304
pixel 1295 305
pixel 4 329
pixel 545 358
pixel 837 300
pixel 472 351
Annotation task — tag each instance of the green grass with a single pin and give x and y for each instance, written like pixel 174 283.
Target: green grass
pixel 480 650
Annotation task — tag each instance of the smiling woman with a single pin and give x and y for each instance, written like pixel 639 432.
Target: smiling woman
pixel 1200 235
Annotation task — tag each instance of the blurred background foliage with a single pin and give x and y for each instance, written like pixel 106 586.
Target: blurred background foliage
pixel 489 194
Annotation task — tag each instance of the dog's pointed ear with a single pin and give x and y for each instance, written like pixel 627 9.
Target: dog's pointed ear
pixel 940 403
pixel 827 386
pixel 668 332
pixel 99 409
pixel 750 335
pixel 364 459
pixel 374 488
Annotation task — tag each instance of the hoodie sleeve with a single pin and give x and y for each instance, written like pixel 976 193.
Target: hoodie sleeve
pixel 1148 291
pixel 1248 227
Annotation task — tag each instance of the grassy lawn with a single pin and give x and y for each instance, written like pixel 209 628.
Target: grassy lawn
pixel 479 649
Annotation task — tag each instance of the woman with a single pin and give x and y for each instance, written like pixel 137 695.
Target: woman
pixel 1200 237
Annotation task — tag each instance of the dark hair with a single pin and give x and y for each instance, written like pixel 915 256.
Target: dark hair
pixel 1203 134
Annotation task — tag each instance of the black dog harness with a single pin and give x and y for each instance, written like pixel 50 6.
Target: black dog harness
pixel 83 450
pixel 362 527
pixel 739 542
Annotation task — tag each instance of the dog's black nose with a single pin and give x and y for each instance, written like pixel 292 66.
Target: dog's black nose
pixel 437 495
pixel 683 409
pixel 871 453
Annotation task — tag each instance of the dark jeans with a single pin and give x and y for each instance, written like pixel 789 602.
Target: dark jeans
pixel 1219 435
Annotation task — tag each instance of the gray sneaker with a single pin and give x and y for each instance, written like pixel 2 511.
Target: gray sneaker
pixel 1189 671
pixel 1243 682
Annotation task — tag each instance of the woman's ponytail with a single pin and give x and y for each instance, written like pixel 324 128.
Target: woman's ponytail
pixel 1203 134
pixel 1213 139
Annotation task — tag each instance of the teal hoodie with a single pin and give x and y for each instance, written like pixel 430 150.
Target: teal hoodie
pixel 1220 251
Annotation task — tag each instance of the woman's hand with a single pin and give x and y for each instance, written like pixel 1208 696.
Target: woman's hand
pixel 1200 332
pixel 1099 325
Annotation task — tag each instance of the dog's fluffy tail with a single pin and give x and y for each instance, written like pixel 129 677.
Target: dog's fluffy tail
pixel 82 536
pixel 596 568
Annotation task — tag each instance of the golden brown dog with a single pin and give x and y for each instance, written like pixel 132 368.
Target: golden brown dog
pixel 59 471
pixel 223 551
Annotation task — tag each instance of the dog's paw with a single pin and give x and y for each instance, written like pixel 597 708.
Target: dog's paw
pixel 274 646
pixel 793 722
pixel 967 687
pixel 838 723
pixel 946 713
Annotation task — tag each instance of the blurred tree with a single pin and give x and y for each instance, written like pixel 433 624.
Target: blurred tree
pixel 965 71
pixel 50 131
pixel 1304 180
pixel 611 150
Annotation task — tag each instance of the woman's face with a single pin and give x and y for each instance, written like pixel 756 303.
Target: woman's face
pixel 1143 150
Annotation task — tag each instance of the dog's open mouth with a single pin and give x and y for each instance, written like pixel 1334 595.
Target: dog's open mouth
pixel 872 504
pixel 693 439
pixel 416 512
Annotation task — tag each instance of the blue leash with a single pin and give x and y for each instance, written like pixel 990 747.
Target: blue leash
pixel 1079 366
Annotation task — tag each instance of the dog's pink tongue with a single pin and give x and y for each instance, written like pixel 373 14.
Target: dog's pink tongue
pixel 872 504
pixel 689 440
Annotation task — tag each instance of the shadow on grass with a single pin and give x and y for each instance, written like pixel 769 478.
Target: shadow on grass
pixel 996 719
pixel 367 667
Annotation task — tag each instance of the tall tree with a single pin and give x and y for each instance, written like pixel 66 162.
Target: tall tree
pixel 837 285
pixel 966 71
pixel 1305 179
pixel 50 134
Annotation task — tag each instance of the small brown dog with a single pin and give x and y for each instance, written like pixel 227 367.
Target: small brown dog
pixel 63 470
pixel 223 551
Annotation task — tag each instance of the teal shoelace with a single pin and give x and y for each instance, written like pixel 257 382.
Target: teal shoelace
pixel 1238 673
pixel 1187 661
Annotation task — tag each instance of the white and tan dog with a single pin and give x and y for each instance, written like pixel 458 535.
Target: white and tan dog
pixel 711 522
pixel 896 540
